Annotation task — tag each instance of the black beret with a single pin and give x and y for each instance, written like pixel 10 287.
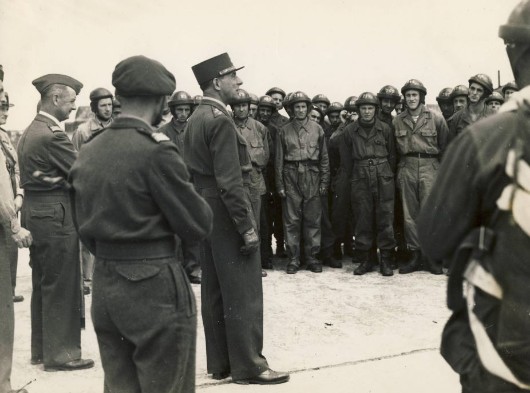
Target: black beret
pixel 46 81
pixel 141 76
pixel 215 67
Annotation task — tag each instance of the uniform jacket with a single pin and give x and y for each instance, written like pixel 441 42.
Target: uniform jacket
pixel 429 135
pixel 388 119
pixel 174 131
pixel 44 147
pixel 86 130
pixel 11 159
pixel 213 149
pixel 302 142
pixel 130 187
pixel 462 119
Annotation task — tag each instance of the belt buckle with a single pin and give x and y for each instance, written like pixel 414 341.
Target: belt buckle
pixel 370 162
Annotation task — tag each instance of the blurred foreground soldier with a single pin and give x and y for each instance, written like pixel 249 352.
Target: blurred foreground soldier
pixel 302 177
pixel 445 102
pixel 47 214
pixel 493 103
pixel 371 160
pixel 101 107
pixel 11 161
pixel 508 89
pixel 231 290
pixel 180 104
pixel 321 101
pixel 116 108
pixel 484 228
pixel 11 236
pixel 480 87
pixel 460 97
pixel 388 98
pixel 421 138
pixel 253 106
pixel 132 195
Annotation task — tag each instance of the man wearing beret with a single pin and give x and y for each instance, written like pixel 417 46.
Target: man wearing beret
pixel 232 294
pixel 46 213
pixel 132 196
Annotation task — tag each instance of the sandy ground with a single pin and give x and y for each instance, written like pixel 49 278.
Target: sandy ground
pixel 333 331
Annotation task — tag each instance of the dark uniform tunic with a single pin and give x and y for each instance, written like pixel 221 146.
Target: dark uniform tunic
pixel 302 168
pixel 420 146
pixel 372 156
pixel 231 290
pixel 132 194
pixel 462 119
pixel 465 196
pixel 174 130
pixel 54 255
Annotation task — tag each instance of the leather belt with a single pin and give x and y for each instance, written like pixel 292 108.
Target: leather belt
pixel 421 155
pixel 157 248
pixel 370 161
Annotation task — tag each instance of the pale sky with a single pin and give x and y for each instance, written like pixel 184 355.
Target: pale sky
pixel 339 48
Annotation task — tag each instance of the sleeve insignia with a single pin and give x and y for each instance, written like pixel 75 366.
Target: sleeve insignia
pixel 159 137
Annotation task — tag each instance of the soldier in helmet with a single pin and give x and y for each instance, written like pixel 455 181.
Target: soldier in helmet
pixel 302 176
pixel 287 106
pixel 101 107
pixel 179 105
pixel 253 106
pixel 316 114
pixel 196 102
pixel 493 103
pixel 400 106
pixel 508 89
pixel 421 138
pixel 277 96
pixel 460 97
pixel 445 103
pixel 480 87
pixel 273 205
pixel 371 161
pixel 257 137
pixel 321 101
pixel 388 98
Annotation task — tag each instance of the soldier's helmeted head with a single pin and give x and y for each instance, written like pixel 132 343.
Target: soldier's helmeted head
pixel 494 102
pixel 101 103
pixel 388 98
pixel 241 105
pixel 414 92
pixel 333 113
pixel 277 94
pixel 367 104
pixel 265 108
pixel 460 97
pixel 480 87
pixel 180 104
pixel 352 112
pixel 321 101
pixel 508 89
pixel 300 104
pixel 445 102
pixel 316 114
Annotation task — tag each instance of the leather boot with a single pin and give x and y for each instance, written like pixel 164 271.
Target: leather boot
pixel 293 266
pixel 414 263
pixel 387 256
pixel 434 267
pixel 365 266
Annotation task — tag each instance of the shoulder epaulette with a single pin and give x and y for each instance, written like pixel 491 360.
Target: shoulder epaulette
pixel 160 137
pixel 55 129
pixel 217 112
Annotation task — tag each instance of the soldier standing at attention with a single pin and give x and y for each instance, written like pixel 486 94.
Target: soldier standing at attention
pixel 278 95
pixel 302 176
pixel 101 106
pixel 371 160
pixel 479 217
pixel 180 104
pixel 388 98
pixel 421 138
pixel 231 291
pixel 132 195
pixel 460 97
pixel 47 214
pixel 256 136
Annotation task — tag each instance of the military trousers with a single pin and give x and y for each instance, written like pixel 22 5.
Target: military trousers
pixel 275 220
pixel 302 209
pixel 231 297
pixel 415 180
pixel 56 277
pixel 145 319
pixel 372 196
pixel 7 316
pixel 327 238
pixel 189 254
pixel 12 253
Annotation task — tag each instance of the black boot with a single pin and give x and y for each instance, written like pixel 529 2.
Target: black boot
pixel 387 256
pixel 365 266
pixel 434 267
pixel 280 251
pixel 414 263
pixel 293 266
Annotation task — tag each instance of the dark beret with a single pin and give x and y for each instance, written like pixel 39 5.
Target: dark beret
pixel 215 67
pixel 46 81
pixel 141 76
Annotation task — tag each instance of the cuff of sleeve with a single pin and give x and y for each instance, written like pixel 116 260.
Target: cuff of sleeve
pixel 244 226
pixel 15 225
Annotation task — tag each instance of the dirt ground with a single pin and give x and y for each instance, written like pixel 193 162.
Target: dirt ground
pixel 333 331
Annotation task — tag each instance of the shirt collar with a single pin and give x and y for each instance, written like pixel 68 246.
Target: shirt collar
pixel 46 114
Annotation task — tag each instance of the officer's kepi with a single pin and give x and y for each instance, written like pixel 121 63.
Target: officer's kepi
pixel 215 67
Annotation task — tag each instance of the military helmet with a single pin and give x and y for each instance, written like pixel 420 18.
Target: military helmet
pixel 334 107
pixel 390 92
pixel 495 96
pixel 180 98
pixel 367 98
pixel 460 90
pixel 299 96
pixel 254 99
pixel 197 100
pixel 484 81
pixel 267 101
pixel 510 85
pixel 413 84
pixel 242 97
pixel 444 95
pixel 287 99
pixel 349 104
pixel 517 29
pixel 320 98
pixel 274 90
pixel 100 93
